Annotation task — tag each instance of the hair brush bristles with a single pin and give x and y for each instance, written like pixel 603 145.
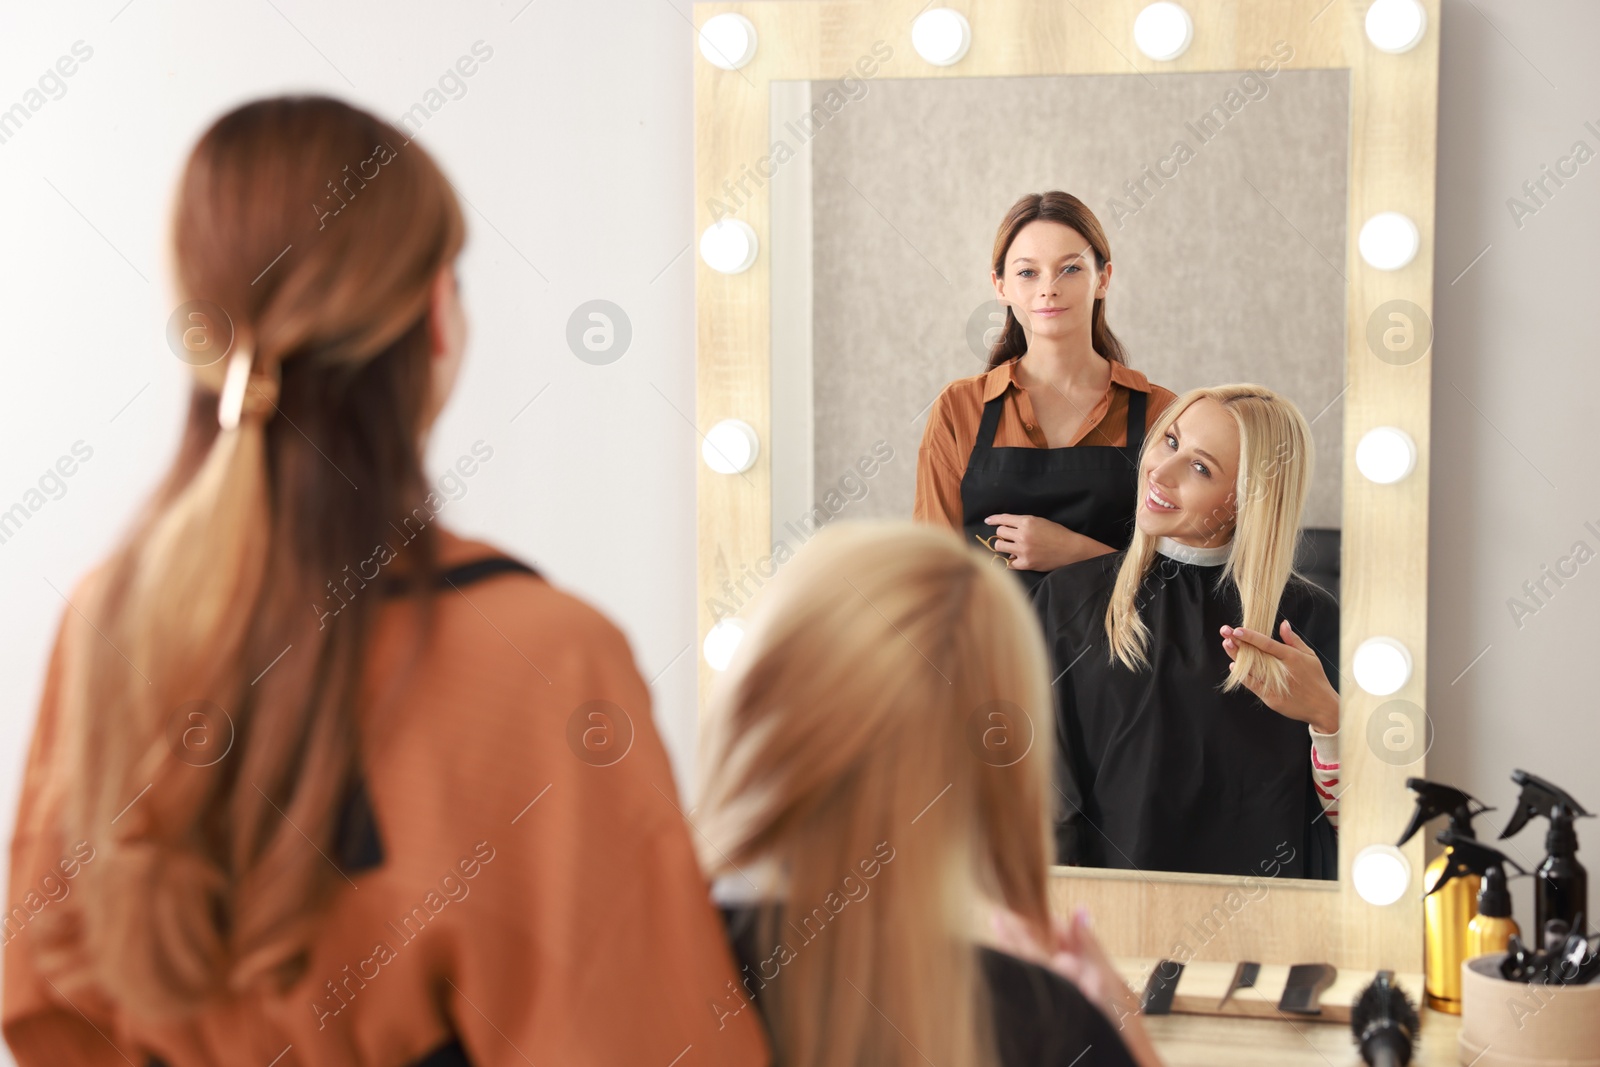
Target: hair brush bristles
pixel 1384 1023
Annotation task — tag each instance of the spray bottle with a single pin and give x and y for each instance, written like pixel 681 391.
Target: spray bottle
pixel 1445 913
pixel 1492 928
pixel 1561 885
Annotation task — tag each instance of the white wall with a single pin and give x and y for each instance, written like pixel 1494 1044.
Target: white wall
pixel 1514 378
pixel 573 144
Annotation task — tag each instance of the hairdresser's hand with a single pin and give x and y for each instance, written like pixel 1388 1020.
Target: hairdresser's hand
pixel 1309 698
pixel 1036 544
pixel 1077 955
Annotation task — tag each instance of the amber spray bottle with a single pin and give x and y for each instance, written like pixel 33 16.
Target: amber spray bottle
pixel 1490 930
pixel 1449 904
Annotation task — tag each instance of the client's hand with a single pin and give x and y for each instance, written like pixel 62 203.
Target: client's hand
pixel 1310 698
pixel 1077 955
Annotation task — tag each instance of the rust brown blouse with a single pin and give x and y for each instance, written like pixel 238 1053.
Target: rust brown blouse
pixel 952 430
pixel 540 907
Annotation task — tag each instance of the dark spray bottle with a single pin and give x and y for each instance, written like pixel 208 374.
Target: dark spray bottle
pixel 1561 885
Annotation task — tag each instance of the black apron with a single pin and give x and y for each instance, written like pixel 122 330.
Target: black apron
pixel 1090 489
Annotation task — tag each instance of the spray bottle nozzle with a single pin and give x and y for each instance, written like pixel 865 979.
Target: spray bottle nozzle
pixel 1540 797
pixel 1469 856
pixel 1435 799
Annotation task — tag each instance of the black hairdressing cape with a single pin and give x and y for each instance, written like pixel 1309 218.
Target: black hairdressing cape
pixel 1159 769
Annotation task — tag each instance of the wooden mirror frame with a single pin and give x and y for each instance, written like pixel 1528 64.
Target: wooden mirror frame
pixel 1393 123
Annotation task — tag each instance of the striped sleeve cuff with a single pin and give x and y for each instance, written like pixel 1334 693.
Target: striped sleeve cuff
pixel 1325 771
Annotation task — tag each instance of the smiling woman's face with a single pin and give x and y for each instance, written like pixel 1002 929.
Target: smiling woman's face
pixel 1051 266
pixel 1187 478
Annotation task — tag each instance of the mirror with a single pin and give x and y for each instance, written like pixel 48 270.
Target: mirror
pixel 839 297
pixel 1223 196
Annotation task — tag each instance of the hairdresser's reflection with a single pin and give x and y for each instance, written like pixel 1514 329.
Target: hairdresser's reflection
pixel 851 811
pixel 368 834
pixel 1037 458
pixel 1193 664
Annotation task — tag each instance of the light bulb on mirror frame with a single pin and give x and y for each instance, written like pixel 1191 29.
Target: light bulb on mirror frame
pixel 1163 31
pixel 728 40
pixel 729 246
pixel 1396 26
pixel 731 447
pixel 1381 874
pixel 1382 666
pixel 721 642
pixel 1386 454
pixel 941 36
pixel 1389 240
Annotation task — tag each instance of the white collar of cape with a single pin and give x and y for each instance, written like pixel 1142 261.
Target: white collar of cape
pixel 1203 557
pixel 753 883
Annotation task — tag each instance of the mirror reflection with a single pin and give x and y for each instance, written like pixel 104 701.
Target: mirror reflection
pixel 1096 325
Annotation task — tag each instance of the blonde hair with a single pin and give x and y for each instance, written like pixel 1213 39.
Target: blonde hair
pixel 891 691
pixel 1275 463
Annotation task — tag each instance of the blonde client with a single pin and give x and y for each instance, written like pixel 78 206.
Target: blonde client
pixel 877 764
pixel 1182 721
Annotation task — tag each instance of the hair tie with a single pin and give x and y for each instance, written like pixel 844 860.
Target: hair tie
pixel 246 394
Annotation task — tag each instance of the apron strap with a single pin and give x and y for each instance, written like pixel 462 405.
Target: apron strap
pixel 986 427
pixel 1136 419
pixel 488 567
pixel 464 574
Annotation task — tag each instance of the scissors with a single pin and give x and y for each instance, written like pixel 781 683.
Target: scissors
pixel 987 542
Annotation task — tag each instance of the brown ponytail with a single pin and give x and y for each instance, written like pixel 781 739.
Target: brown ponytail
pixel 1068 210
pixel 318 230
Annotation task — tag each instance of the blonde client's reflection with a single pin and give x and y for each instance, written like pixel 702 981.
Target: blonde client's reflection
pixel 856 812
pixel 1193 664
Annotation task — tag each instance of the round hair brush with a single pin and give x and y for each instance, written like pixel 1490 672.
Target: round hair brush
pixel 1385 1023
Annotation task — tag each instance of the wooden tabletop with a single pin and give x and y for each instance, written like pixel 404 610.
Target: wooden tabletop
pixel 1213 1041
